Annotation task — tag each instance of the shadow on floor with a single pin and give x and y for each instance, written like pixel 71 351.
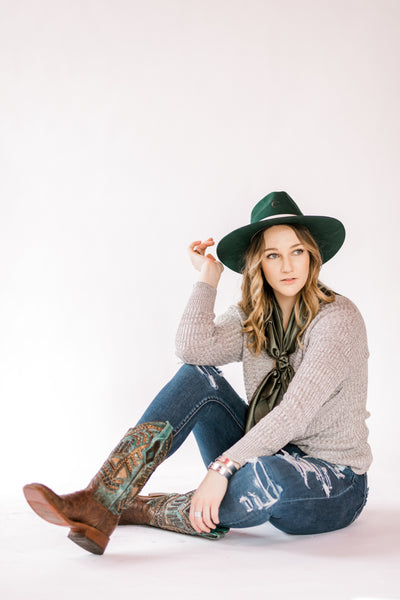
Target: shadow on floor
pixel 376 532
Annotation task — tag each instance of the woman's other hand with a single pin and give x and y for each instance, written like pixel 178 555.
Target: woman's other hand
pixel 206 501
pixel 210 269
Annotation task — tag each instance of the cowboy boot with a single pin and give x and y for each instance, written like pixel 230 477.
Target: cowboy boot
pixel 166 511
pixel 93 513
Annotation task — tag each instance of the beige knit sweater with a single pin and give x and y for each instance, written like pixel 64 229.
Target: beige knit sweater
pixel 323 411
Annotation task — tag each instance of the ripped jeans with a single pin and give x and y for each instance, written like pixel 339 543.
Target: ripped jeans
pixel 295 493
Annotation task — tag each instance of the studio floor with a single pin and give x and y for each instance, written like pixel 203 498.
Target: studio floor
pixel 360 562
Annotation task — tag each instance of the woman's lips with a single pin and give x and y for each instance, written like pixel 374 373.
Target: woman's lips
pixel 289 281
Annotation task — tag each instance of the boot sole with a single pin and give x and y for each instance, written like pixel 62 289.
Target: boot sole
pixel 41 500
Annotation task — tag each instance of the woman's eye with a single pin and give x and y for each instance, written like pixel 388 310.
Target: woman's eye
pixel 299 251
pixel 273 255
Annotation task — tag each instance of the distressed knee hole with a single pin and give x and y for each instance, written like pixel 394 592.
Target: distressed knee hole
pixel 210 373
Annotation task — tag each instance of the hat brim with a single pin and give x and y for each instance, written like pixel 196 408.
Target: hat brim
pixel 329 233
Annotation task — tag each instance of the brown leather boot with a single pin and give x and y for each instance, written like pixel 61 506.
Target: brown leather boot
pixel 93 513
pixel 166 511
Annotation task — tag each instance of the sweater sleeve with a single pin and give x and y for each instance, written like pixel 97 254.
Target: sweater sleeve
pixel 326 363
pixel 202 341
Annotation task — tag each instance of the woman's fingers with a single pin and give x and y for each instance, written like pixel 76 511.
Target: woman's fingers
pixel 207 521
pixel 215 513
pixel 193 245
pixel 202 519
pixel 196 519
pixel 200 247
pixel 195 514
pixel 198 257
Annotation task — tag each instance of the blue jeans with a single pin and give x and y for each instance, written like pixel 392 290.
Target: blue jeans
pixel 298 494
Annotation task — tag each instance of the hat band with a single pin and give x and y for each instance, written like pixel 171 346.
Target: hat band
pixel 277 217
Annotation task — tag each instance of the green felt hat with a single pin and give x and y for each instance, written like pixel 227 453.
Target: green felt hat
pixel 278 208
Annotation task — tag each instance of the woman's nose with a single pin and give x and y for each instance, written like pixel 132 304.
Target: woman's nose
pixel 286 265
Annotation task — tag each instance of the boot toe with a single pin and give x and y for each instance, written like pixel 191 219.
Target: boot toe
pixel 43 502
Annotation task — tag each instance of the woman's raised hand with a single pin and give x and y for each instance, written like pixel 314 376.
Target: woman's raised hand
pixel 210 268
pixel 197 252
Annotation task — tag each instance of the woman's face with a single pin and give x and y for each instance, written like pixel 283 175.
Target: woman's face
pixel 285 262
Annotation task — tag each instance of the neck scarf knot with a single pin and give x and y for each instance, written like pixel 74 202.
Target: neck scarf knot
pixel 280 344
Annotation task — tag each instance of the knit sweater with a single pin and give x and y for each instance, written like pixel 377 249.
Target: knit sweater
pixel 323 410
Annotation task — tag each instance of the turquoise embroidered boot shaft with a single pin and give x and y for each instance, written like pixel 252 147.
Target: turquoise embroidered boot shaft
pixel 166 511
pixel 93 513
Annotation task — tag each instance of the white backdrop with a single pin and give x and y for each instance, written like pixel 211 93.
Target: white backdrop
pixel 129 129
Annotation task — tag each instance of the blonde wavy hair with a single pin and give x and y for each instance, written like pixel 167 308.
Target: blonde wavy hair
pixel 257 294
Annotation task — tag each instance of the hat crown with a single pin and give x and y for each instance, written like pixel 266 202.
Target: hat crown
pixel 274 205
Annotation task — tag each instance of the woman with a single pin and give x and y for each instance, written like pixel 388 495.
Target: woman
pixel 297 456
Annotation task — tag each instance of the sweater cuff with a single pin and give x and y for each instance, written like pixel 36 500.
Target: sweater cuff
pixel 203 296
pixel 246 449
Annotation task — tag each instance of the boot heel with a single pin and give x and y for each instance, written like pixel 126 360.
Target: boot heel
pixel 89 538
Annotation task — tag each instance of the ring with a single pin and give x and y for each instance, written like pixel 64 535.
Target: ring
pixel 198 514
